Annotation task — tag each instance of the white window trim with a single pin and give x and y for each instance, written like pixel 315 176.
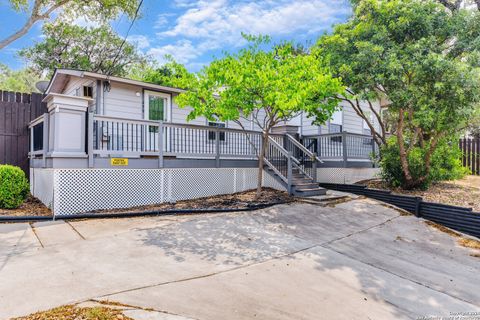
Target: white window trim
pixel 168 105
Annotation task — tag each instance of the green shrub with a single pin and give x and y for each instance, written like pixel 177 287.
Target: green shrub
pixel 445 163
pixel 14 187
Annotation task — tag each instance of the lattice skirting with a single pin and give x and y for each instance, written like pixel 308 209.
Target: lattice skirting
pixel 70 191
pixel 346 175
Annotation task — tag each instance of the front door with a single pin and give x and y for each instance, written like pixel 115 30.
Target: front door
pixel 156 109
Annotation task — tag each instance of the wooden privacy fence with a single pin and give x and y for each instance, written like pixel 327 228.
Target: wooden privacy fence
pixel 16 112
pixel 457 218
pixel 471 154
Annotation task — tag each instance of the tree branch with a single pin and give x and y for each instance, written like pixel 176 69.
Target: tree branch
pixel 35 16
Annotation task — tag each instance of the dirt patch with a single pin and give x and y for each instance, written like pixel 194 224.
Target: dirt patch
pixel 240 200
pixel 31 207
pixel 463 193
pixel 70 312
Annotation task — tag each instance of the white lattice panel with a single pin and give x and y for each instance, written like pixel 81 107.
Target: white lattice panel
pixel 346 175
pixel 41 185
pixel 84 190
pixel 271 182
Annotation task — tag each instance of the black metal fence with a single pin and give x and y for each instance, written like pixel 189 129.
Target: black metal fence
pixel 457 218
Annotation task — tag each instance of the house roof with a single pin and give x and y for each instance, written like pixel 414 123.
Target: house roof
pixel 60 77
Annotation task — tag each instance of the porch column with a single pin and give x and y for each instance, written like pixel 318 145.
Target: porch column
pixel 67 126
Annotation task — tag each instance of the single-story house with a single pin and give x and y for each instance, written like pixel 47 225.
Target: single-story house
pixel 111 142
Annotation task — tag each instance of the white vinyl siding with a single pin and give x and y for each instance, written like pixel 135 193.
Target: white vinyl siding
pixel 122 101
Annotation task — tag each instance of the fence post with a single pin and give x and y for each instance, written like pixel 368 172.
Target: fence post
pixel 90 139
pixel 217 148
pixel 45 139
pixel 418 203
pixel 314 167
pixel 289 172
pixel 344 146
pixel 160 144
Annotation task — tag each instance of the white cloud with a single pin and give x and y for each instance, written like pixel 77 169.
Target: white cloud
pixel 140 41
pixel 162 20
pixel 223 21
pixel 85 22
pixel 182 50
pixel 211 25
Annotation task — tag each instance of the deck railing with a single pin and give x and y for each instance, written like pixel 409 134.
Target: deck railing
pixel 108 136
pixel 280 161
pixel 136 138
pixel 39 137
pixel 344 146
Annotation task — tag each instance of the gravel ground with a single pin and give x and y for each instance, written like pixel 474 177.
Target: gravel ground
pixel 464 192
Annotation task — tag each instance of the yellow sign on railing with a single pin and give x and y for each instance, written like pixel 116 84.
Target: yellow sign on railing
pixel 119 161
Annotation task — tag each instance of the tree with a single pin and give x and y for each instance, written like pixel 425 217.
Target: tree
pixel 96 49
pixel 19 81
pixel 452 5
pixel 279 81
pixel 94 10
pixel 416 55
pixel 169 74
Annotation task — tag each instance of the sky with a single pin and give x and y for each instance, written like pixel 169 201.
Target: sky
pixel 194 32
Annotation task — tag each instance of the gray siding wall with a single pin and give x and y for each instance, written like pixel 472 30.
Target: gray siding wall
pixel 350 120
pixel 122 101
pixel 74 87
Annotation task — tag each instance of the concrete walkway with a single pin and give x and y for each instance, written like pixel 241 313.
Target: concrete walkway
pixel 357 260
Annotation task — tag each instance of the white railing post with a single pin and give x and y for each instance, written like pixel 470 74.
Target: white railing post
pixel 90 116
pixel 160 144
pixel 314 167
pixel 45 139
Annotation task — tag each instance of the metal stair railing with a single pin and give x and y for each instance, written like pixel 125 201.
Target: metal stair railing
pixel 280 161
pixel 306 160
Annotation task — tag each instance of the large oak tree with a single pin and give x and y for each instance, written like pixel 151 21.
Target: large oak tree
pixel 418 56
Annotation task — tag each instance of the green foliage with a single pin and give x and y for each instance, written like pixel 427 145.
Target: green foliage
pixel 95 10
pixel 170 74
pixel 14 187
pixel 19 81
pixel 418 56
pixel 84 48
pixel 278 80
pixel 445 165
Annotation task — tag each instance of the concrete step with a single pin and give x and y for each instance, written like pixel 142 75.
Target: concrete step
pixel 309 192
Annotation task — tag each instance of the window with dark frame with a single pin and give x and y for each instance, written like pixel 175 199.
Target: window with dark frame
pixel 211 134
pixel 88 91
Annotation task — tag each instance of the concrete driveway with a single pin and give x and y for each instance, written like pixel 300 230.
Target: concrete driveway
pixel 357 260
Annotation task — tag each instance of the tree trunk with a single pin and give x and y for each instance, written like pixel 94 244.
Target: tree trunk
pixel 260 164
pixel 403 152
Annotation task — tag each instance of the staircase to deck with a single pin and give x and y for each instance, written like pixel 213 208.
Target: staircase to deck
pixel 294 166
